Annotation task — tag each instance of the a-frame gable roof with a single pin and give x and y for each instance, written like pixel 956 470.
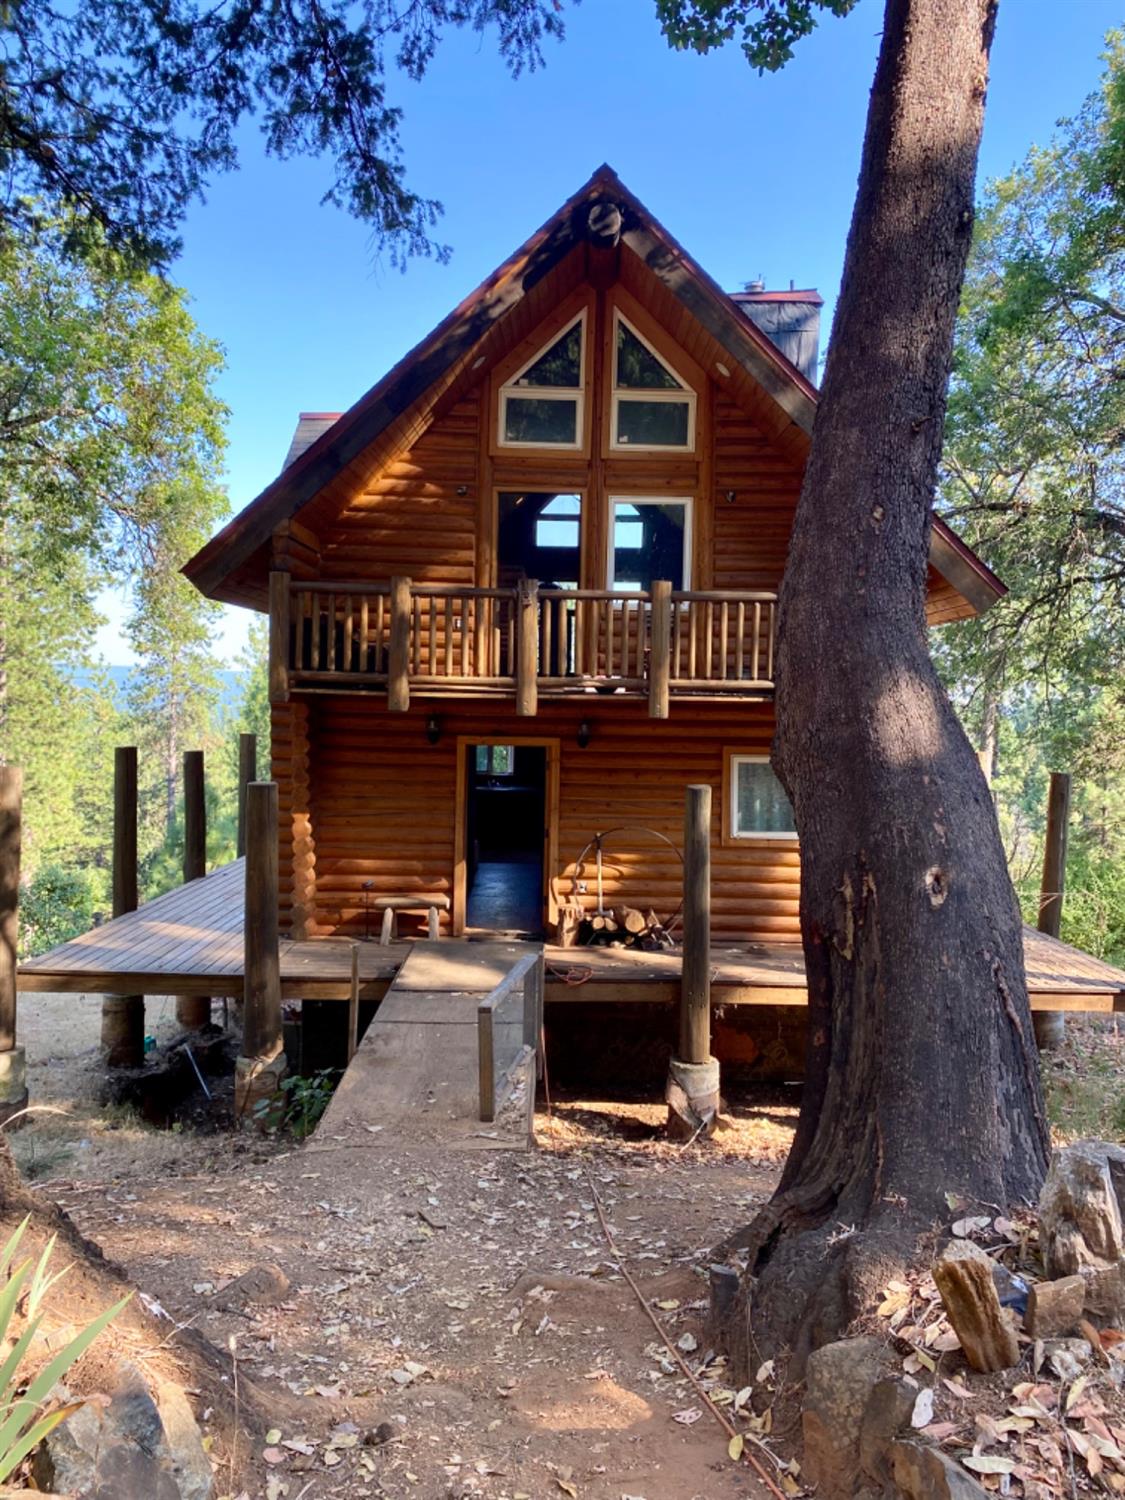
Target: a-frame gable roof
pixel 232 566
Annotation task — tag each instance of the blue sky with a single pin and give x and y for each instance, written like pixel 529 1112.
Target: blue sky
pixel 756 176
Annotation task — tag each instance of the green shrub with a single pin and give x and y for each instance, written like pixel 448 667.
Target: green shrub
pixel 24 1418
pixel 56 905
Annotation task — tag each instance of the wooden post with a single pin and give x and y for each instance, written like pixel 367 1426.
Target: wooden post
pixel 660 657
pixel 13 1063
pixel 279 637
pixel 247 772
pixel 695 991
pixel 398 656
pixel 193 1012
pixel 527 648
pixel 1050 1026
pixel 261 1037
pixel 353 1004
pixel 692 1090
pixel 123 1016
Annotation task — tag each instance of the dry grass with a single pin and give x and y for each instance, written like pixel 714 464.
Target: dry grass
pixel 1084 1081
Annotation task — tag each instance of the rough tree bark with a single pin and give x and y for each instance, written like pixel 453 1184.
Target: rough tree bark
pixel 922 1077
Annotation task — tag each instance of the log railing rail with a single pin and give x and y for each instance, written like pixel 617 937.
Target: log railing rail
pixel 517 998
pixel 528 640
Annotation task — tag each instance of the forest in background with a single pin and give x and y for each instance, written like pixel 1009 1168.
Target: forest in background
pixel 111 445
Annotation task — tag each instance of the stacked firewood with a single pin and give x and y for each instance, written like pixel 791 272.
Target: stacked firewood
pixel 621 927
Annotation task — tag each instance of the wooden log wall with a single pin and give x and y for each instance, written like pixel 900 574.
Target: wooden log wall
pixel 383 805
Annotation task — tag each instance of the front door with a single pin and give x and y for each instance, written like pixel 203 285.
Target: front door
pixel 505 836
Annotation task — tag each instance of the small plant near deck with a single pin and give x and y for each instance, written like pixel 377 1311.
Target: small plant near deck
pixel 24 1421
pixel 305 1100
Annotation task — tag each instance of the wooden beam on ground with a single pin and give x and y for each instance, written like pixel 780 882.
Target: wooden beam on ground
pixel 193 1012
pixel 247 772
pixel 1050 1026
pixel 123 1015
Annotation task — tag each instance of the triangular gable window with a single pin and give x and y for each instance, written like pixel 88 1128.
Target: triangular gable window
pixel 541 406
pixel 652 406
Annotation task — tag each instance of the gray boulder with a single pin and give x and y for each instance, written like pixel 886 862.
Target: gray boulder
pixel 840 1379
pixel 143 1445
pixel 925 1473
pixel 1080 1222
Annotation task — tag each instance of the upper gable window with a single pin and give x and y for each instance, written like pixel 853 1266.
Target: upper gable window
pixel 652 406
pixel 541 406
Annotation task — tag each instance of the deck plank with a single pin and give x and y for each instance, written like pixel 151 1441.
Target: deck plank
pixel 189 941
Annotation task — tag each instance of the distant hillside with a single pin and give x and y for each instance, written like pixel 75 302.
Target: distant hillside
pixel 232 681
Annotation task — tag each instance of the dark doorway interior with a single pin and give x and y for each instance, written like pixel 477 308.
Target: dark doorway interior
pixel 506 807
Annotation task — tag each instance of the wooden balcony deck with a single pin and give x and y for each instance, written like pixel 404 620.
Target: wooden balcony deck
pixel 189 942
pixel 406 639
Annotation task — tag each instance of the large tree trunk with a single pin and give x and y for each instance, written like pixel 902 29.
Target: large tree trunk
pixel 922 1076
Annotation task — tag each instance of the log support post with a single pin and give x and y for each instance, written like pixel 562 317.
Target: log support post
pixel 398 656
pixel 247 772
pixel 660 654
pixel 527 648
pixel 692 1090
pixel 1050 1026
pixel 261 1067
pixel 123 1016
pixel 13 1061
pixel 279 637
pixel 193 1012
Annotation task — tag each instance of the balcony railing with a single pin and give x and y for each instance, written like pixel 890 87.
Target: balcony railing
pixel 430 638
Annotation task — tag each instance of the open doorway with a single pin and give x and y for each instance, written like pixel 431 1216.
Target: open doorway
pixel 506 833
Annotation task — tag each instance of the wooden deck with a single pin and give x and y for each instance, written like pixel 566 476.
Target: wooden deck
pixel 189 942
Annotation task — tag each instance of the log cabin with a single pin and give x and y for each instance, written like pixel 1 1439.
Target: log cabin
pixel 524 592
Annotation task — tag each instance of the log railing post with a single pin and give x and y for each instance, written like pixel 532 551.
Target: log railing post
pixel 1050 1026
pixel 247 772
pixel 123 1016
pixel 660 654
pixel 261 1067
pixel 398 664
pixel 194 1011
pixel 279 637
pixel 527 648
pixel 13 1062
pixel 693 1075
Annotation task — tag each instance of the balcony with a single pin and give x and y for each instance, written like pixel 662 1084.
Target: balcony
pixel 429 640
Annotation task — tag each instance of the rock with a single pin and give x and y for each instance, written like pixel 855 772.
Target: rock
pixel 1054 1307
pixel 840 1379
pixel 1066 1357
pixel 1080 1226
pixel 375 1437
pixel 260 1286
pixel 963 1275
pixel 887 1412
pixel 1105 1295
pixel 925 1473
pixel 135 1447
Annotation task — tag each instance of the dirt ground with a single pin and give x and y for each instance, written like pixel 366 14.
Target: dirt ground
pixel 456 1324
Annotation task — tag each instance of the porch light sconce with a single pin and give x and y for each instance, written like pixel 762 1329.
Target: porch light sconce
pixel 583 734
pixel 730 496
pixel 462 490
pixel 433 729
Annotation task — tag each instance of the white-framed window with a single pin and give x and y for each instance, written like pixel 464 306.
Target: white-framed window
pixel 758 807
pixel 542 405
pixel 652 407
pixel 649 538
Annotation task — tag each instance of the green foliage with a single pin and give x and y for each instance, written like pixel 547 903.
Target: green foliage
pixel 110 447
pixel 57 904
pixel 24 1420
pixel 768 29
pixel 303 1103
pixel 125 111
